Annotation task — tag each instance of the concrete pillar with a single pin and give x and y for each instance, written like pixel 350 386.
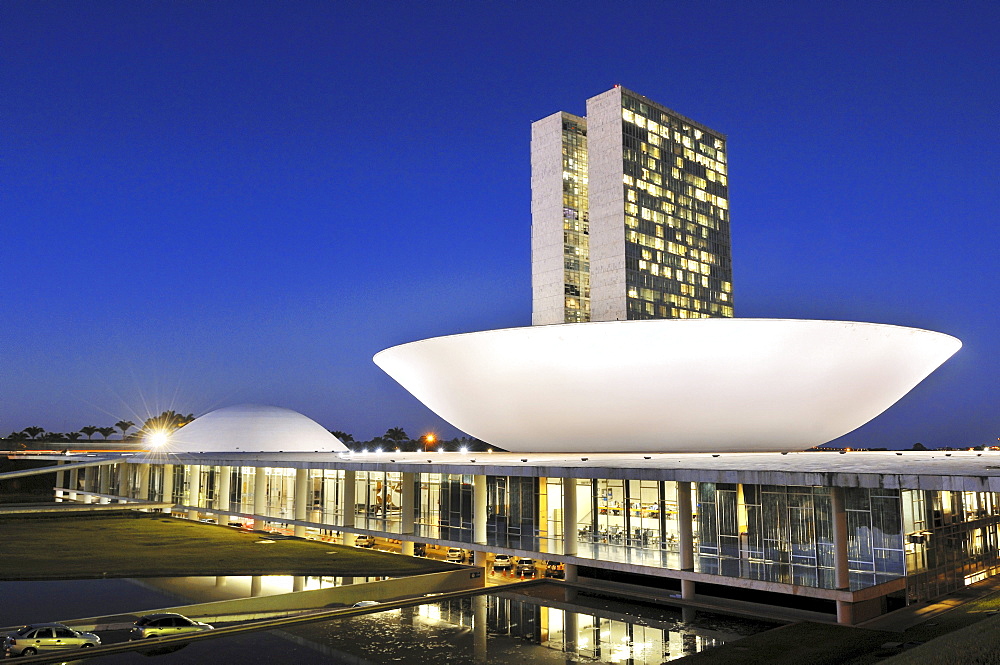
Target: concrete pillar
pixel 350 500
pixel 298 582
pixel 255 584
pixel 193 472
pixel 479 559
pixel 479 628
pixel 143 472
pixel 60 479
pixel 842 575
pixel 301 501
pixel 845 612
pixel 406 547
pixel 223 489
pixel 570 537
pixel 840 538
pixel 259 495
pixel 479 509
pixel 168 483
pixel 88 479
pixel 407 510
pixel 121 481
pixel 74 483
pixel 104 479
pixel 684 526
pixel 572 573
pixel 571 631
pixel 220 580
pixel 686 536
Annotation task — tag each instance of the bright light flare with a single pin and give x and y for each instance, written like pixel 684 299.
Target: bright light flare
pixel 158 438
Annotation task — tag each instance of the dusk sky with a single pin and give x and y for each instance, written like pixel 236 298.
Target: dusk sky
pixel 210 203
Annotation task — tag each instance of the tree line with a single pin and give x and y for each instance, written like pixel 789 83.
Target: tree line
pixel 396 438
pixel 168 420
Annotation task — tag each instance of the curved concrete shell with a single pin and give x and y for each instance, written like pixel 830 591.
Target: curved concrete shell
pixel 719 385
pixel 252 428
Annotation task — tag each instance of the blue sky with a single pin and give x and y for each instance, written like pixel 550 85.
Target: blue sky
pixel 207 203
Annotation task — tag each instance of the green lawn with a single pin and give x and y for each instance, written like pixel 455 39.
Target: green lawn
pixel 87 545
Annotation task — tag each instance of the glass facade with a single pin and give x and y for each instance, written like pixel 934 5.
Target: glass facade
pixel 576 223
pixel 677 240
pixel 939 540
pixel 952 539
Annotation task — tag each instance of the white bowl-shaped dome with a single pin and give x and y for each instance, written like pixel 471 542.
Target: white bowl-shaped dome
pixel 717 385
pixel 252 428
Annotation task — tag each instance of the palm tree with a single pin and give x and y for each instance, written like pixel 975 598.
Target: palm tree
pixel 124 426
pixel 89 430
pixel 396 434
pixel 168 421
pixel 106 431
pixel 343 436
pixel 73 436
pixel 33 431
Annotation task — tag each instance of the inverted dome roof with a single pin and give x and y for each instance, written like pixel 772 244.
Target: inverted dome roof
pixel 679 385
pixel 253 428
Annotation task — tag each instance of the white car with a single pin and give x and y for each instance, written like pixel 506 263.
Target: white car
pixel 456 555
pixel 47 637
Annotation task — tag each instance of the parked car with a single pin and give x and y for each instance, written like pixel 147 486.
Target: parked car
pixel 47 637
pixel 364 541
pixel 502 562
pixel 165 624
pixel 526 567
pixel 555 569
pixel 456 555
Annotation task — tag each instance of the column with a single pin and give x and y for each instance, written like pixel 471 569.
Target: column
pixel 479 559
pixel 224 489
pixel 168 483
pixel 406 547
pixel 570 536
pixel 193 472
pixel 255 584
pixel 571 573
pixel 104 479
pixel 88 483
pixel 301 501
pixel 123 488
pixel 60 478
pixel 479 628
pixel 143 472
pixel 298 582
pixel 74 483
pixel 259 495
pixel 350 500
pixel 407 512
pixel 686 536
pixel 842 576
pixel 571 630
pixel 479 509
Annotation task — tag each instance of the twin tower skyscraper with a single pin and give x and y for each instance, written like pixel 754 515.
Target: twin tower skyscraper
pixel 630 215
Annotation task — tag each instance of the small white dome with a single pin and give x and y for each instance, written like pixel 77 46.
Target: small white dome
pixel 253 428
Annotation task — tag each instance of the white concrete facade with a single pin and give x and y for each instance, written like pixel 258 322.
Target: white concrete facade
pixel 607 207
pixel 547 219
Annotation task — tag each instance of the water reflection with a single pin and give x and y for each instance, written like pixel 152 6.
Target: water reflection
pixel 535 627
pixel 543 624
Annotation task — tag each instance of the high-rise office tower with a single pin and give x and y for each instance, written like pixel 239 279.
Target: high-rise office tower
pixel 630 214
